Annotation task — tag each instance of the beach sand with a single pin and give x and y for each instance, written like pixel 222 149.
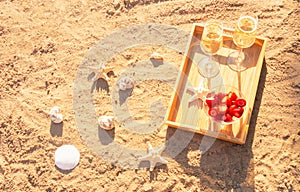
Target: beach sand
pixel 43 44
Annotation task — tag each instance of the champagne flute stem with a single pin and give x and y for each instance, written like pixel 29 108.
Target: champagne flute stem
pixel 240 59
pixel 209 66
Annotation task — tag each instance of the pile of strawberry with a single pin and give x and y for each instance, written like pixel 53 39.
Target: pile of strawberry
pixel 225 107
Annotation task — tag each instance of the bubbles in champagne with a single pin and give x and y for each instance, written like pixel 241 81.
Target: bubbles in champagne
pixel 247 24
pixel 245 32
pixel 212 39
pixel 211 42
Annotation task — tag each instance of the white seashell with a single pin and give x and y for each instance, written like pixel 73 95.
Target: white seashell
pixel 106 122
pixel 156 56
pixel 125 83
pixel 67 157
pixel 55 115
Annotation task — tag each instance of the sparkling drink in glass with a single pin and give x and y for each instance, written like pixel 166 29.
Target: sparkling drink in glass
pixel 211 42
pixel 243 37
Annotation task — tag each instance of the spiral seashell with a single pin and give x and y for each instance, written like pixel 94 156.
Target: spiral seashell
pixel 55 115
pixel 66 157
pixel 156 56
pixel 106 122
pixel 125 83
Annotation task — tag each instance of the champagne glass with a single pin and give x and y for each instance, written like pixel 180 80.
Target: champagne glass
pixel 211 42
pixel 244 37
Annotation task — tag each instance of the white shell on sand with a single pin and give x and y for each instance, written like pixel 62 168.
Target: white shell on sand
pixel 67 157
pixel 125 83
pixel 156 56
pixel 55 115
pixel 106 122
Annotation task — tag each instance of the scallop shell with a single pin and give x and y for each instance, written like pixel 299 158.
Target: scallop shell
pixel 106 122
pixel 55 115
pixel 67 157
pixel 125 83
pixel 156 56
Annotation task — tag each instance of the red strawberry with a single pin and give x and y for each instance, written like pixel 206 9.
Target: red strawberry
pixel 227 110
pixel 231 110
pixel 233 102
pixel 219 117
pixel 226 100
pixel 241 110
pixel 218 97
pixel 213 112
pixel 221 96
pixel 210 102
pixel 240 102
pixel 227 117
pixel 232 95
pixel 238 112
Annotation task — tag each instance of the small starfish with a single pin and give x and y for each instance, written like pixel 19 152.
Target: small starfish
pixel 102 73
pixel 154 156
pixel 198 93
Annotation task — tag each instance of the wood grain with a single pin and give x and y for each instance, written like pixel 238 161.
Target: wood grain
pixel 193 117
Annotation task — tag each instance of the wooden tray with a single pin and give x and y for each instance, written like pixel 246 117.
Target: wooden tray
pixel 193 118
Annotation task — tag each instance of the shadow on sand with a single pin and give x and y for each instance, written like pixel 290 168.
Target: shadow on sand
pixel 156 63
pixel 106 136
pixel 100 84
pixel 222 165
pixel 158 168
pixel 124 94
pixel 56 129
pixel 65 171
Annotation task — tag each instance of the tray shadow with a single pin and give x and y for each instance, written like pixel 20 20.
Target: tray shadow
pixel 221 165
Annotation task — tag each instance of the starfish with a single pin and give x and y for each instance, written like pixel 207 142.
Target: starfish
pixel 102 73
pixel 198 93
pixel 154 156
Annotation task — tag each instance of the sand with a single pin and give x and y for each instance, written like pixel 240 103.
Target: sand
pixel 44 43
